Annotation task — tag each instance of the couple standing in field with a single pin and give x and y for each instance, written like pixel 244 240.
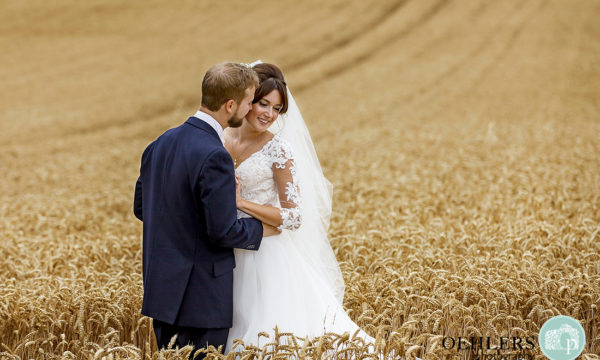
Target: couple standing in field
pixel 235 211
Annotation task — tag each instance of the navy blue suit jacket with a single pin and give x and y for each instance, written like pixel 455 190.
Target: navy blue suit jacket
pixel 185 197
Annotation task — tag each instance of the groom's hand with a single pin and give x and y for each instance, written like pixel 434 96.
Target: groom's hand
pixel 269 230
pixel 238 196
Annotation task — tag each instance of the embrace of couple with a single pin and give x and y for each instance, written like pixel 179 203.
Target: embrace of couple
pixel 235 211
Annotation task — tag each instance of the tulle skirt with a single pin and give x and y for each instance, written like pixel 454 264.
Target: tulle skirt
pixel 275 286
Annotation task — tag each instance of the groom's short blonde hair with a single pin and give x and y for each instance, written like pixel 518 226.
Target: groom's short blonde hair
pixel 226 81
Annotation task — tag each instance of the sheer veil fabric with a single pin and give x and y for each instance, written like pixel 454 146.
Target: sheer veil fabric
pixel 316 192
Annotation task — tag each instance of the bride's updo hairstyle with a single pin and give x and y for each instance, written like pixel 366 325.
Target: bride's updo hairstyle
pixel 270 78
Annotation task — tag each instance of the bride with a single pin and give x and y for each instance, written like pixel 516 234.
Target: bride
pixel 293 282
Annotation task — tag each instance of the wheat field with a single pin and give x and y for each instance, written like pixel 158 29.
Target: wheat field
pixel 461 138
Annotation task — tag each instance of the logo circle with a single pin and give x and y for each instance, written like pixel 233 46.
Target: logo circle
pixel 562 338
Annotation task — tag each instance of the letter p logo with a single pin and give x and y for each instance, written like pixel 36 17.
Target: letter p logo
pixel 571 345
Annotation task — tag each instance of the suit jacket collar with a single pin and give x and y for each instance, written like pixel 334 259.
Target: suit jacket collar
pixel 203 125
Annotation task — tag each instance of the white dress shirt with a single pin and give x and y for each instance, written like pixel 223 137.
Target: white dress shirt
pixel 212 122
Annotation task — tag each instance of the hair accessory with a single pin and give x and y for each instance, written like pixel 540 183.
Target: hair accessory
pixel 252 64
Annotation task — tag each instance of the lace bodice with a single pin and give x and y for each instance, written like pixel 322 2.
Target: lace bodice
pixel 268 177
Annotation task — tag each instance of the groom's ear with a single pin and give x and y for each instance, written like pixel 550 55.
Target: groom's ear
pixel 229 105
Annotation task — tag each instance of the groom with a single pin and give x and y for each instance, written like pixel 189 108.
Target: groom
pixel 185 197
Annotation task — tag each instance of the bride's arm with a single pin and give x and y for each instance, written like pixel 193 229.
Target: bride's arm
pixel 267 214
pixel 288 217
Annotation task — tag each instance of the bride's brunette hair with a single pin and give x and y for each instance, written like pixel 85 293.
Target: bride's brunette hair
pixel 270 78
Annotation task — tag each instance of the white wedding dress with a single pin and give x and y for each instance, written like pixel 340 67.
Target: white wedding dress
pixel 276 285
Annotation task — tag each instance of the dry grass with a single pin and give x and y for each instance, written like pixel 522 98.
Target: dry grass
pixel 461 138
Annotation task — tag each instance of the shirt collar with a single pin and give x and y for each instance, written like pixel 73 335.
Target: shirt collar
pixel 212 122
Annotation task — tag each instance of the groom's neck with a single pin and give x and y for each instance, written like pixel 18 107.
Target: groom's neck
pixel 217 115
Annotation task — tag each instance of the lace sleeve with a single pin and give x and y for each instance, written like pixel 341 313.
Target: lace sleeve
pixel 286 181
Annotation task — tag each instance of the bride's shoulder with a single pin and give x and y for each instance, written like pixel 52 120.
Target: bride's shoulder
pixel 281 144
pixel 280 149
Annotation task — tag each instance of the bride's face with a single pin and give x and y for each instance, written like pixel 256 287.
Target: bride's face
pixel 265 111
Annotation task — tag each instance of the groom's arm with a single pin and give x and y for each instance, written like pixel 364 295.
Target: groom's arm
pixel 216 197
pixel 137 200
